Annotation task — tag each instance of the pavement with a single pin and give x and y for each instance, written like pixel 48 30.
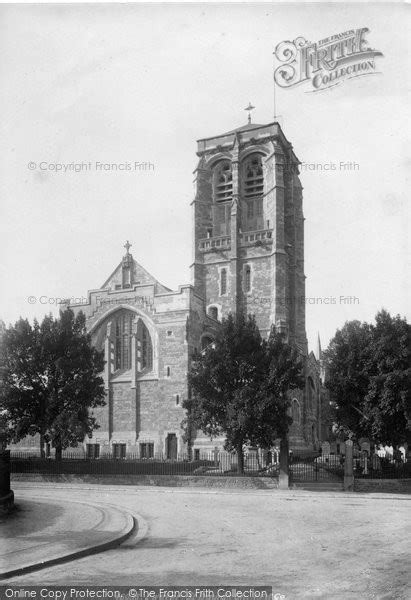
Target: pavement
pixel 42 532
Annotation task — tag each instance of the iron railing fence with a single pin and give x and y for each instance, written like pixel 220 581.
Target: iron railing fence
pixel 310 466
pixel 304 466
pixel 383 468
pixel 222 463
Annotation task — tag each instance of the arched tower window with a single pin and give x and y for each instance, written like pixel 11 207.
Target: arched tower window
pixel 223 181
pixel 252 176
pixel 252 186
pixel 223 281
pixel 223 193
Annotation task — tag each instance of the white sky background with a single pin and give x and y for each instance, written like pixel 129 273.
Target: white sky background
pixel 118 83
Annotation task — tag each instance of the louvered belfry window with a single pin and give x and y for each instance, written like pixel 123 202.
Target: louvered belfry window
pixel 253 178
pixel 223 181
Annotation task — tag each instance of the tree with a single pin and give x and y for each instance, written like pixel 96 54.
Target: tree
pixel 240 386
pixel 51 380
pixel 368 375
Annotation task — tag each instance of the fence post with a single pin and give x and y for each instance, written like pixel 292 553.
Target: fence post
pixel 348 467
pixel 215 454
pixel 283 479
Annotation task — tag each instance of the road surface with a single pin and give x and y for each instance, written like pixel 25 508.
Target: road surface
pixel 305 544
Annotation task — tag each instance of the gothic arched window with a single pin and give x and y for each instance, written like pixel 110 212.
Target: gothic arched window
pixel 252 186
pixel 222 181
pixel 222 193
pixel 123 331
pixel 311 394
pixel 146 351
pixel 252 176
pixel 296 411
pixel 144 348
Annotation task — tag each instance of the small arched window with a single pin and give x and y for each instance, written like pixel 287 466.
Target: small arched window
pixel 223 181
pixel 247 279
pixel 223 282
pixel 213 312
pixel 252 176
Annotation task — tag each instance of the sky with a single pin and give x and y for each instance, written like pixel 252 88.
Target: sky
pixel 118 83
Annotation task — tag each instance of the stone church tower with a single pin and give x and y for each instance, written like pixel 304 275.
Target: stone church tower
pixel 249 229
pixel 248 246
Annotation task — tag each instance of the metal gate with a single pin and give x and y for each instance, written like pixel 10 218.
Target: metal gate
pixel 312 467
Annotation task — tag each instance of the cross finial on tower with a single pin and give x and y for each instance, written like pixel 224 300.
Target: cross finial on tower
pixel 249 108
pixel 127 246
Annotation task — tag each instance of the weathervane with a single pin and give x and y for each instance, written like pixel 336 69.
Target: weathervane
pixel 249 109
pixel 127 246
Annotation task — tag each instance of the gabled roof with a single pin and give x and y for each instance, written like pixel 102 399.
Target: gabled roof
pixel 140 275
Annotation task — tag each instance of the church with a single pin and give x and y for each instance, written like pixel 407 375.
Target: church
pixel 248 255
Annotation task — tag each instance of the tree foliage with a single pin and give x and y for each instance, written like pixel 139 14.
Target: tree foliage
pixel 51 380
pixel 240 386
pixel 368 375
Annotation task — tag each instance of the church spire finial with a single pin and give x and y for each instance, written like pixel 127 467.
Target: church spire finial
pixel 318 349
pixel 249 108
pixel 127 246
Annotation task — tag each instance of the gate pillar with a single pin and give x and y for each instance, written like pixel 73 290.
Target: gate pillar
pixel 283 479
pixel 6 494
pixel 348 467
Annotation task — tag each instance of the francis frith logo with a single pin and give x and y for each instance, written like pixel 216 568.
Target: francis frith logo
pixel 326 63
